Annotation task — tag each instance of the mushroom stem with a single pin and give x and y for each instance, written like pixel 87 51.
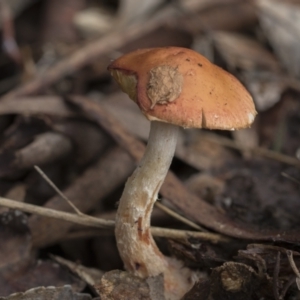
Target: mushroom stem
pixel 135 243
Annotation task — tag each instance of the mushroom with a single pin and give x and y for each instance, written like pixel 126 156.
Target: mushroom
pixel 173 87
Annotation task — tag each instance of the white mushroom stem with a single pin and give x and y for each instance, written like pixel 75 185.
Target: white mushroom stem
pixel 136 246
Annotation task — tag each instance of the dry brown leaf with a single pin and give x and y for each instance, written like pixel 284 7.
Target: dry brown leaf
pixel 44 149
pixel 15 251
pixel 58 21
pixel 234 281
pixel 200 290
pixel 192 5
pixel 17 6
pixel 205 186
pixel 248 138
pixel 86 138
pixel 263 257
pixel 242 52
pixel 191 148
pixel 231 15
pixel 48 293
pixel 118 285
pixel 281 24
pixel 90 275
pixel 92 22
pixel 266 88
pixel 129 11
pixel 128 113
pixel 95 183
pixel 17 193
pixel 19 269
pixel 88 141
pixel 50 105
pixel 201 153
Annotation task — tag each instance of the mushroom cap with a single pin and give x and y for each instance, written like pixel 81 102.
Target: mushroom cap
pixel 181 87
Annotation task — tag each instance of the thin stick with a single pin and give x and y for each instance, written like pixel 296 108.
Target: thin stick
pixel 178 217
pixel 60 215
pixel 90 221
pixel 58 191
pixel 289 254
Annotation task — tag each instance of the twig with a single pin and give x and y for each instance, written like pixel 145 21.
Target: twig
pixel 57 190
pixel 177 216
pixel 47 147
pixel 60 215
pixel 186 234
pixel 90 221
pixel 289 254
pixel 275 277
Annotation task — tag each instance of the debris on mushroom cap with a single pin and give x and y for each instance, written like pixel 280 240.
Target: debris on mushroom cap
pixel 180 86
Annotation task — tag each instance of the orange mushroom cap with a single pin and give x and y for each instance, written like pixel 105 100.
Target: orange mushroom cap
pixel 181 87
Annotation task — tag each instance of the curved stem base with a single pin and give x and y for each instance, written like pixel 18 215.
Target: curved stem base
pixel 136 246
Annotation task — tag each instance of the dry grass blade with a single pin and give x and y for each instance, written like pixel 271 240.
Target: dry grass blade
pixel 57 190
pixel 60 215
pixel 90 221
pixel 178 217
pixel 95 183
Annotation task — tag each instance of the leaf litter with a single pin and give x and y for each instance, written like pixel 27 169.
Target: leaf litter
pixel 71 120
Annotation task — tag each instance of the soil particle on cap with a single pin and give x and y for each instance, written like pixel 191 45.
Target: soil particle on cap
pixel 165 85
